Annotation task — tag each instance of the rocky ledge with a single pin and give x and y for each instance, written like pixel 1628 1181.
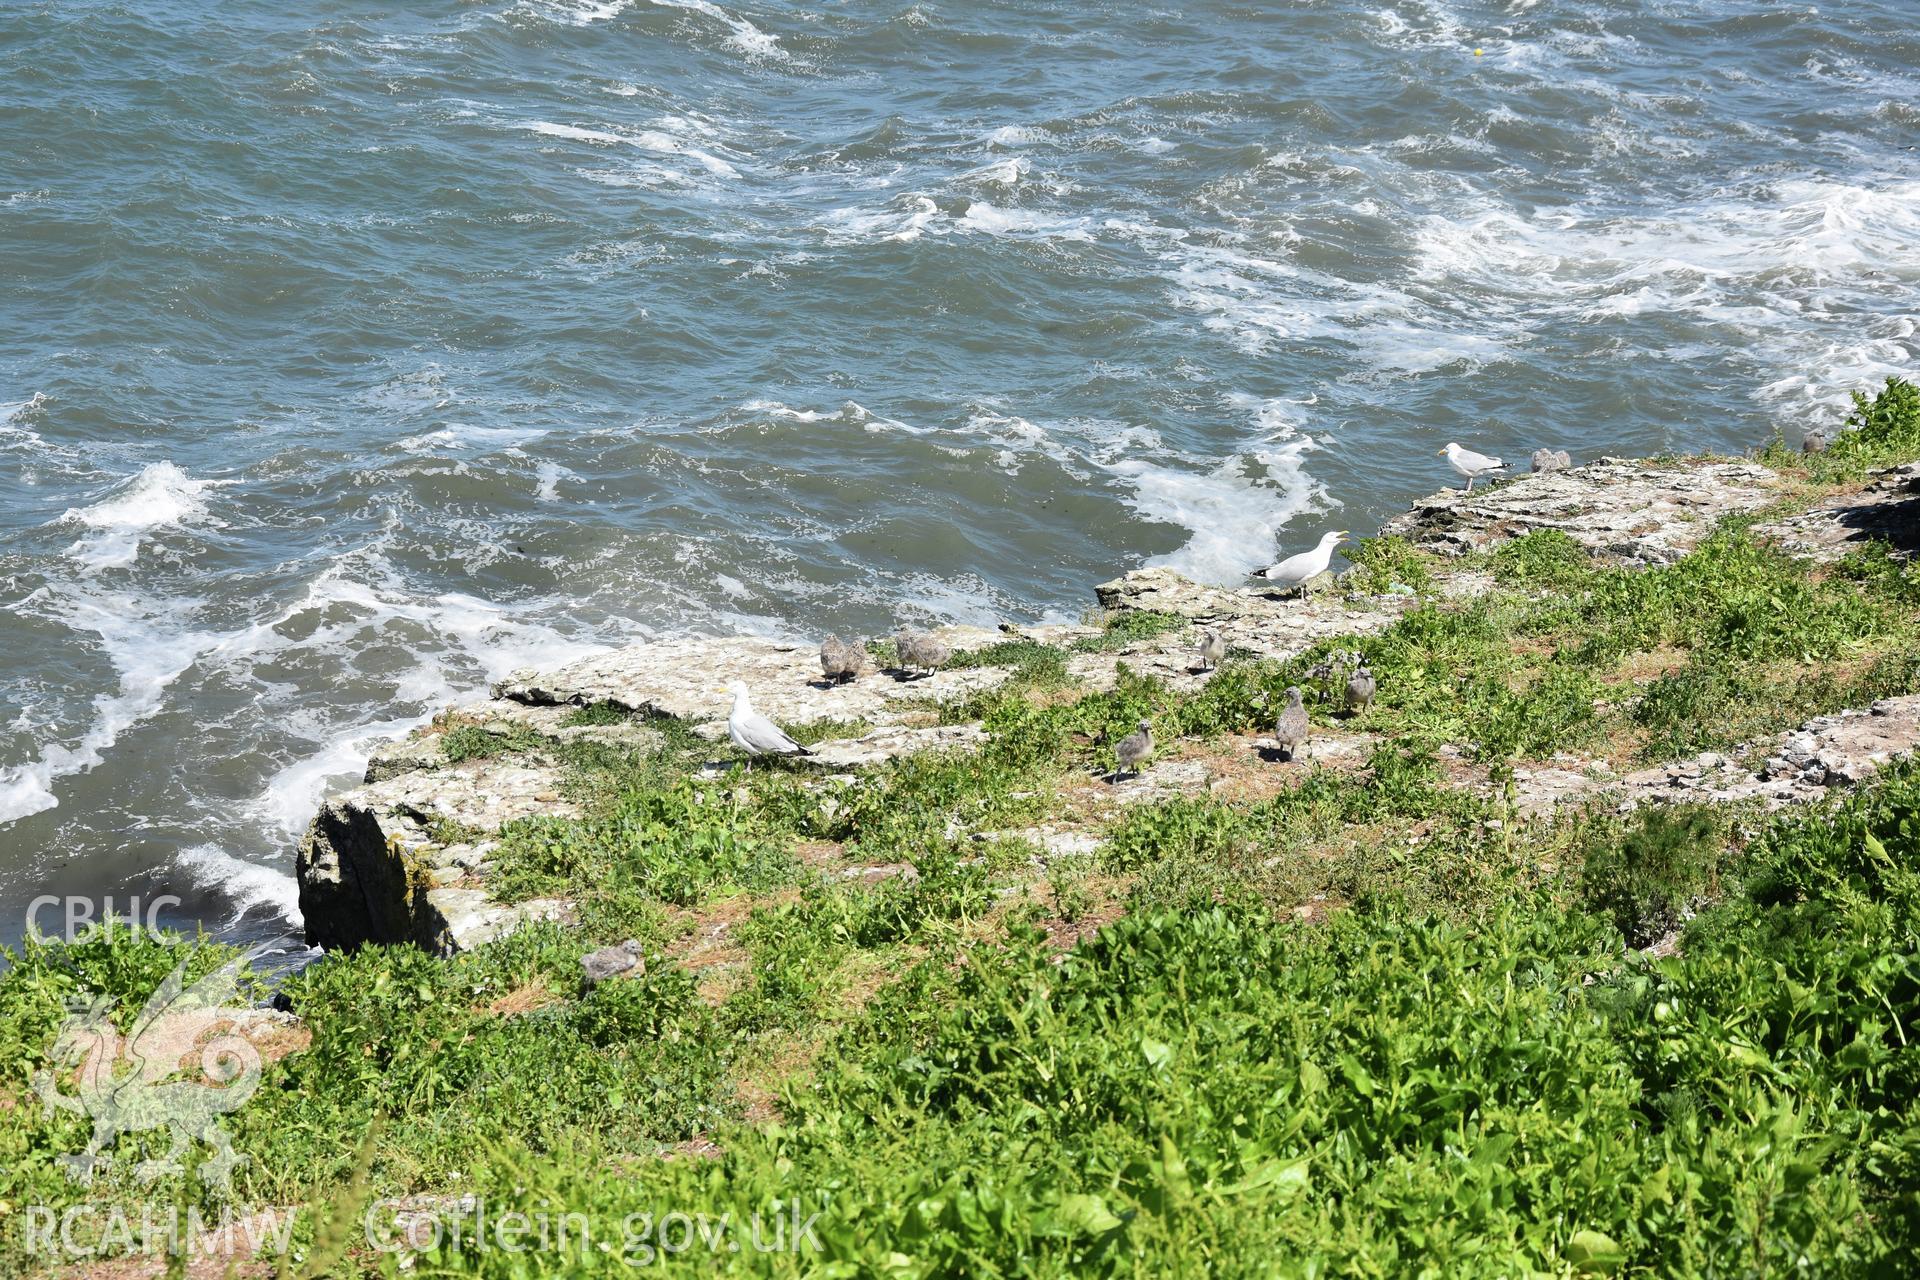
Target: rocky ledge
pixel 406 856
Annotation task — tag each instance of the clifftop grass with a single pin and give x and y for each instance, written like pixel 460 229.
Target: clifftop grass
pixel 1355 1019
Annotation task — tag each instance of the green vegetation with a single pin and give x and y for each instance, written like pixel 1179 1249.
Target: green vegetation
pixel 597 713
pixel 1363 1016
pixel 1661 864
pixel 472 742
pixel 1381 564
pixel 1118 630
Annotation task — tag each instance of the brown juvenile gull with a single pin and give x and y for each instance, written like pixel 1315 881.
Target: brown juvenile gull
pixel 1466 462
pixel 1134 750
pixel 598 966
pixel 839 660
pixel 752 732
pixel 1360 689
pixel 1551 460
pixel 919 651
pixel 1213 647
pixel 1291 731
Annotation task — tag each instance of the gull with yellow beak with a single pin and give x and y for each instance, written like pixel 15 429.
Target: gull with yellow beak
pixel 752 732
pixel 1467 463
pixel 1296 571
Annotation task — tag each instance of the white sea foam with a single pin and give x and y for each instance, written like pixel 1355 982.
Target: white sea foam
pixel 906 219
pixel 1017 135
pixel 745 35
pixel 148 649
pixel 994 220
pixel 1233 513
pixel 851 411
pixel 1007 173
pixel 248 886
pixel 162 495
pixel 1230 510
pixel 550 474
pixel 653 140
pixel 575 13
pixel 774 409
pixel 910 216
pixel 460 437
pixel 966 599
pixel 290 797
pixel 1017 438
pixel 1753 266
pixel 14 414
pixel 17 421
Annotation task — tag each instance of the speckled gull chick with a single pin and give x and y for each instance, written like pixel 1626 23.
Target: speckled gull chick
pixel 920 650
pixel 597 966
pixel 1134 749
pixel 1297 570
pixel 1291 731
pixel 1471 465
pixel 1360 689
pixel 752 732
pixel 840 661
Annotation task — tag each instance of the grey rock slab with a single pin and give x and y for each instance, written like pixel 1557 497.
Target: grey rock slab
pixel 1886 509
pixel 425 748
pixel 892 742
pixel 1636 513
pixel 405 755
pixel 1253 622
pixel 486 794
pixel 1058 842
pixel 1842 749
pixel 678 677
pixel 463 919
pixel 1849 747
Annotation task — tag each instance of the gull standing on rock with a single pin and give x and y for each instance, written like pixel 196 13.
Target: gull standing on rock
pixel 1472 465
pixel 1291 731
pixel 919 651
pixel 839 660
pixel 1213 647
pixel 752 732
pixel 1297 571
pixel 1551 460
pixel 1134 749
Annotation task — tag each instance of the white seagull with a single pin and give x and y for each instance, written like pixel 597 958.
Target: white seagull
pixel 752 732
pixel 1472 465
pixel 1296 570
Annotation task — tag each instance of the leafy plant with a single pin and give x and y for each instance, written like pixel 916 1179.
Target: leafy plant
pixel 1644 876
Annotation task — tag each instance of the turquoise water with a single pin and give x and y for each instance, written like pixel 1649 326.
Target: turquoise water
pixel 351 355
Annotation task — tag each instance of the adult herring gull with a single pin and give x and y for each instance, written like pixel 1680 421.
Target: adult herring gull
pixel 1297 570
pixel 752 732
pixel 1472 465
